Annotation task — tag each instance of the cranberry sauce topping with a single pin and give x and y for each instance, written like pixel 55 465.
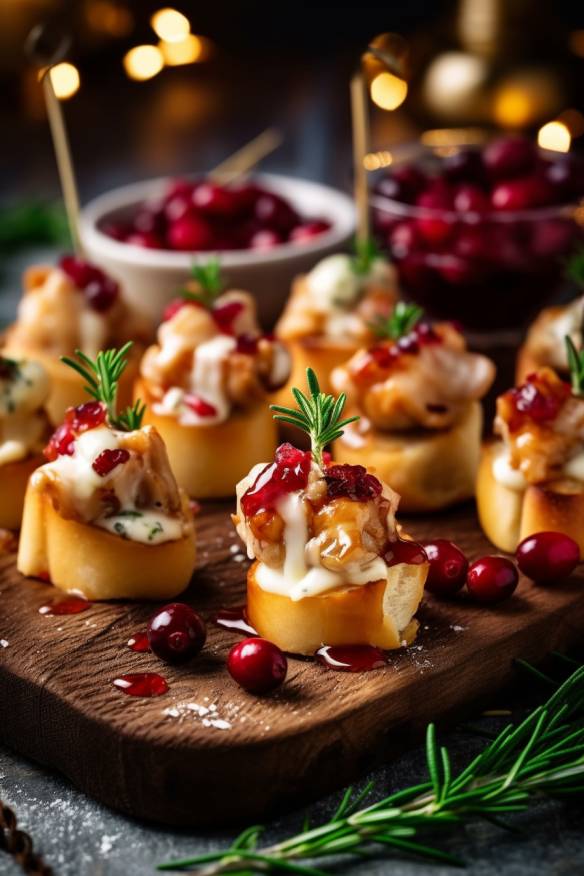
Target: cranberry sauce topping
pixel 226 314
pixel 77 420
pixel 235 620
pixel 141 684
pixel 539 399
pixel 201 407
pixel 139 642
pixel 101 292
pixel 108 460
pixel 351 658
pixel 383 356
pixel 404 551
pixel 68 605
pixel 351 482
pixel 288 473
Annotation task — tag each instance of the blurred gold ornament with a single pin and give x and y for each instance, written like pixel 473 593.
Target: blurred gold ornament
pixel 554 136
pixel 388 91
pixel 65 80
pixel 143 62
pixel 170 25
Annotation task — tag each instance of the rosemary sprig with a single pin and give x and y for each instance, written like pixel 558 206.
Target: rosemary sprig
pixel 366 251
pixel 399 323
pixel 319 415
pixel 209 279
pixel 543 755
pixel 576 366
pixel 575 267
pixel 101 377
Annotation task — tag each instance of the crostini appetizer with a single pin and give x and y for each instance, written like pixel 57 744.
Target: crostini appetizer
pixel 205 383
pixel 418 392
pixel 532 479
pixel 545 344
pixel 330 567
pixel 331 310
pixel 73 305
pixel 24 429
pixel 104 516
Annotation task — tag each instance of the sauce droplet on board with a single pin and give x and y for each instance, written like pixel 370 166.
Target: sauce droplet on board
pixel 141 684
pixel 351 658
pixel 139 642
pixel 235 620
pixel 69 605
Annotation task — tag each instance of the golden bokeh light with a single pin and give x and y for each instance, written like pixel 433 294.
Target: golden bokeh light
pixel 513 107
pixel 143 62
pixel 554 136
pixel 170 25
pixel 375 160
pixel 65 80
pixel 388 91
pixel 187 51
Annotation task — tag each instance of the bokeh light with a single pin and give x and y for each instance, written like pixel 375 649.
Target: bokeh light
pixel 187 51
pixel 170 25
pixel 143 62
pixel 65 80
pixel 388 91
pixel 375 160
pixel 555 136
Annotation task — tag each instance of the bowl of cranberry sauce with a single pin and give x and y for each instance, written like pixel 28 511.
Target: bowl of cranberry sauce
pixel 266 230
pixel 481 235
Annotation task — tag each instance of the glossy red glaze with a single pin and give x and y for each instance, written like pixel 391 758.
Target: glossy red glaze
pixel 234 620
pixel 289 472
pixel 226 314
pixel 176 633
pixel 77 420
pixel 351 482
pixel 201 407
pixel 492 579
pixel 107 460
pixel 351 658
pixel 546 557
pixel 448 567
pixel 66 605
pixel 404 551
pixel 141 684
pixel 139 642
pixel 257 665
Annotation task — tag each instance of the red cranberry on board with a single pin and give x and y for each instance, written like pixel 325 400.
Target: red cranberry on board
pixel 107 460
pixel 101 293
pixel 189 233
pixel 176 633
pixel 548 556
pixel 492 579
pixel 448 567
pixel 509 156
pixel 258 666
pixel 522 194
pixel 309 230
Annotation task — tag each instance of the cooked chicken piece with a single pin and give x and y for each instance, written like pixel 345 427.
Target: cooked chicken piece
pixel 347 532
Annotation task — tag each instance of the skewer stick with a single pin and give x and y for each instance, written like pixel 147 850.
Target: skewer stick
pixel 246 158
pixel 360 122
pixel 63 155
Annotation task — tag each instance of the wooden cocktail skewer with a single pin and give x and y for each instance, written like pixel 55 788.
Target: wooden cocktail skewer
pixel 246 158
pixel 45 57
pixel 360 122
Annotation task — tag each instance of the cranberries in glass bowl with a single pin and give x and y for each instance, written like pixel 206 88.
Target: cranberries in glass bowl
pixel 266 231
pixel 481 235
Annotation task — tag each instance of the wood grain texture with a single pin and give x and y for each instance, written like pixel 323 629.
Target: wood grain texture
pixel 247 756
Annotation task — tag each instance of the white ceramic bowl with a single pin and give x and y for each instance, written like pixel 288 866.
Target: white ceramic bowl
pixel 151 277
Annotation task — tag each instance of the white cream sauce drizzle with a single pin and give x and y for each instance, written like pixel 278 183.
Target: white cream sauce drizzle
pixel 514 479
pixel 334 285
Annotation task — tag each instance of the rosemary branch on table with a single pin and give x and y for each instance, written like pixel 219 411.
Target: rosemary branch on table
pixel 542 756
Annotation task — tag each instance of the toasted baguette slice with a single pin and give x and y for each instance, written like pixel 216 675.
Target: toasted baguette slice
pixel 208 461
pixel 531 356
pixel 429 469
pixel 380 613
pixel 13 481
pixel 97 564
pixel 67 386
pixel 508 516
pixel 321 354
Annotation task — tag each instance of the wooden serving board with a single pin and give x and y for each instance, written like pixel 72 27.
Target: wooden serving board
pixel 207 753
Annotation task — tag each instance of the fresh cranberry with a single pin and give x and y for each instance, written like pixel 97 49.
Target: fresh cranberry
pixel 433 227
pixel 548 556
pixel 492 579
pixel 150 219
pixel 257 665
pixel 80 272
pixel 448 567
pixel 247 344
pixel 416 274
pixel 179 206
pixel 146 239
pixel 403 184
pixel 189 233
pixel 403 238
pixel 466 165
pixel 566 174
pixel 101 294
pixel 61 443
pixel 215 200
pixel 107 460
pixel 176 633
pixel 459 271
pixel 179 187
pixel 471 243
pixel 351 482
pixel 552 237
pixel 275 213
pixel 265 238
pixel 288 473
pixel 201 407
pixel 226 314
pixel 309 230
pixel 116 230
pixel 522 194
pixel 87 416
pixel 508 157
pixel 470 199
